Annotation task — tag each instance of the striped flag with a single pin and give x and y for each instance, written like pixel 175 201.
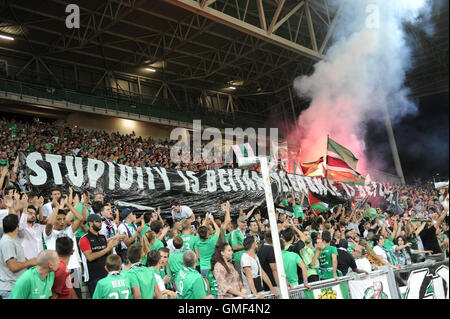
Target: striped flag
pixel 314 168
pixel 243 150
pixel 341 164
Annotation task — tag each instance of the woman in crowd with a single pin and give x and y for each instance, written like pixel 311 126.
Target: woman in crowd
pixel 228 281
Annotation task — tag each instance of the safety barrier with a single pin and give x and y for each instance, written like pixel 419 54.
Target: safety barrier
pixel 423 281
pixel 121 103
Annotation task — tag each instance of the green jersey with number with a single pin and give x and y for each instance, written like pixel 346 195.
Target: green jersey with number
pixel 189 242
pixel 190 284
pixel 114 286
pixel 31 286
pixel 206 250
pixel 144 278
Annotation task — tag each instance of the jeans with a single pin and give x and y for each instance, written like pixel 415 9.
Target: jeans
pixel 4 294
pixel 204 272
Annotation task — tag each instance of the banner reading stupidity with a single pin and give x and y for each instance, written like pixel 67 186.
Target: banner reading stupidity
pixel 157 186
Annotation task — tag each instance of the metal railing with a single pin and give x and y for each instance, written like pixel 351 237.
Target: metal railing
pixel 117 103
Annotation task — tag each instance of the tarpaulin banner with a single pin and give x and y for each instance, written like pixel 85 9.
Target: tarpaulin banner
pixel 426 282
pixel 333 291
pixel 157 186
pixel 374 286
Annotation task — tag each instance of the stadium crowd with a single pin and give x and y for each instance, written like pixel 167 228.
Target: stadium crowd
pixel 52 247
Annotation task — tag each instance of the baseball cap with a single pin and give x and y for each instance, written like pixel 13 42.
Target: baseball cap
pixel 94 218
pixel 242 219
pixel 125 212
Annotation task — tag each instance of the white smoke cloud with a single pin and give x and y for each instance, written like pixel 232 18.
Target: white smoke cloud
pixel 364 70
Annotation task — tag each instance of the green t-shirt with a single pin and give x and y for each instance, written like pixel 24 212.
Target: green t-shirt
pixel 115 286
pixel 175 263
pixel 228 237
pixel 285 203
pixel 213 285
pixel 144 230
pixel 290 262
pixel 236 238
pixel 4 163
pixel 157 245
pixel 326 261
pixel 189 242
pixel 144 277
pixel 31 286
pixel 190 284
pixel 298 212
pixel 206 250
pixel 307 254
pixel 372 213
pixel 80 233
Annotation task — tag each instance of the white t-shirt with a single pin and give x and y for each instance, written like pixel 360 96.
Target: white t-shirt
pixel 253 263
pixel 170 245
pixel 160 282
pixel 47 210
pixel 30 237
pixel 3 214
pixel 50 242
pixel 185 212
pixel 380 252
pixel 363 264
pixel 125 230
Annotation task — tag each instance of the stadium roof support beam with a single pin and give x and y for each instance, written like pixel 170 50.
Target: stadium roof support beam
pixel 245 27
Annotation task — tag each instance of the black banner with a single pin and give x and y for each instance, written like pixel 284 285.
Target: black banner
pixel 157 186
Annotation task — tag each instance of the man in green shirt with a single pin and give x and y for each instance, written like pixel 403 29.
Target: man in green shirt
pixel 116 285
pixel 142 279
pixel 157 227
pixel 291 261
pixel 189 240
pixel 327 256
pixel 206 243
pixel 176 258
pixel 237 242
pixel 307 254
pixel 37 282
pixel 190 283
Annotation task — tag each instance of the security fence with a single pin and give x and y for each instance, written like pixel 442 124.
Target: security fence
pixel 426 280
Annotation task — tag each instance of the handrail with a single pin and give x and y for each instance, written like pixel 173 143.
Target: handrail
pixel 118 102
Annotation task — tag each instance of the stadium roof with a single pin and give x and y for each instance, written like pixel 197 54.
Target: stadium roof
pixel 235 56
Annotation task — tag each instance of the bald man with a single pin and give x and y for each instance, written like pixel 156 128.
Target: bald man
pixel 37 282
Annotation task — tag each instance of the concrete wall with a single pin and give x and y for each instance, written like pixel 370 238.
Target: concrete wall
pixel 115 124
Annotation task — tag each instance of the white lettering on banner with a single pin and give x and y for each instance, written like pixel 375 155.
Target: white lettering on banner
pixel 322 189
pixel 211 181
pixel 75 179
pixel 140 177
pixel 163 174
pixel 230 179
pixel 126 178
pixel 247 180
pixel 294 184
pixel 420 280
pixel 222 180
pixel 41 176
pixel 111 179
pixel 438 285
pixel 311 186
pixel 186 181
pixel 150 178
pixel 258 180
pixel 361 190
pixel 237 174
pixel 333 190
pixel 196 186
pixel 301 184
pixel 95 169
pixel 54 161
pixel 284 181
